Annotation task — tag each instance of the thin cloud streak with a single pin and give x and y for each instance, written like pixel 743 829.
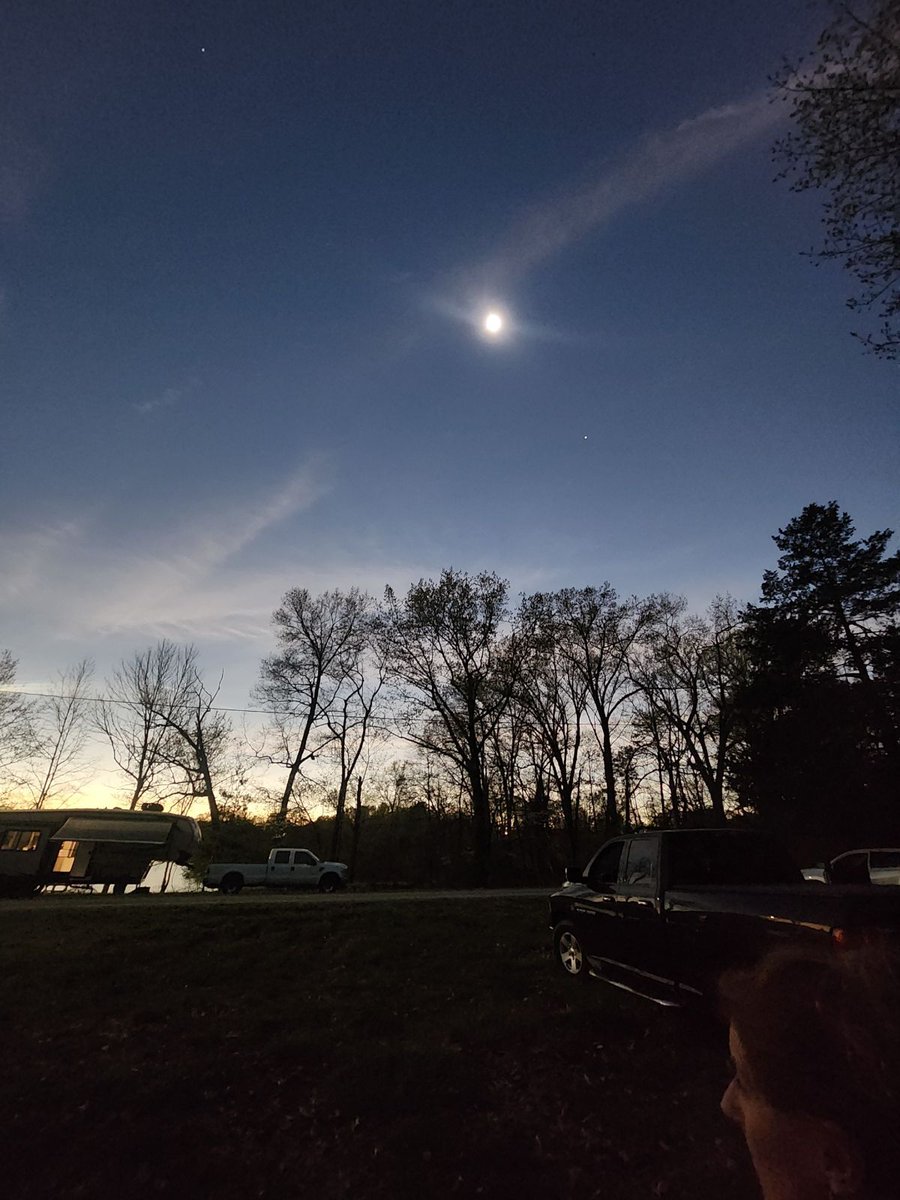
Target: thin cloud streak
pixel 23 169
pixel 190 581
pixel 179 587
pixel 211 543
pixel 659 162
pixel 24 558
pixel 170 397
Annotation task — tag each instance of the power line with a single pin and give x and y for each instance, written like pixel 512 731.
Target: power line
pixel 265 712
pixel 216 708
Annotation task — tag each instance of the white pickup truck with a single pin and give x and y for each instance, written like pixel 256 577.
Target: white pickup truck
pixel 286 868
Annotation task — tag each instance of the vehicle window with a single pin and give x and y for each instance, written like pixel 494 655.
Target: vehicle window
pixel 303 858
pixel 20 839
pixel 881 859
pixel 640 868
pixel 282 857
pixel 850 868
pixel 605 867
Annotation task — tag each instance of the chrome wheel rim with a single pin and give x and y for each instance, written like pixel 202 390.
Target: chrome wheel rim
pixel 570 953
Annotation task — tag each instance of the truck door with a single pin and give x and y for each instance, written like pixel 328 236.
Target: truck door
pixel 305 869
pixel 642 933
pixel 852 867
pixel 595 912
pixel 279 872
pixel 884 867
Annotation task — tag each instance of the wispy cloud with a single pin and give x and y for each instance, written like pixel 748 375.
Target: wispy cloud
pixel 210 542
pixel 23 168
pixel 169 397
pixel 25 556
pixel 659 162
pixel 189 580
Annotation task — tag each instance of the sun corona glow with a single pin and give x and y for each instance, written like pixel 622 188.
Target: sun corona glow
pixel 493 323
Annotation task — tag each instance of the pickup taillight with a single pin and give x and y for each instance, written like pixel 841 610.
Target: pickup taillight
pixel 852 939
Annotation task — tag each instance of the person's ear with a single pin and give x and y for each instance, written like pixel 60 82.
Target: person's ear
pixel 842 1163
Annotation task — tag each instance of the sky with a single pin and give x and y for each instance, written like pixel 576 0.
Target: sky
pixel 247 249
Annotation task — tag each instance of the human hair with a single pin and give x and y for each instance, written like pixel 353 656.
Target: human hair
pixel 820 1031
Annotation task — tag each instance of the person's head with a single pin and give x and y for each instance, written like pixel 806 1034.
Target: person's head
pixel 815 1039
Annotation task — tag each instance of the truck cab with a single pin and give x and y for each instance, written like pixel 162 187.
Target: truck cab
pixel 663 912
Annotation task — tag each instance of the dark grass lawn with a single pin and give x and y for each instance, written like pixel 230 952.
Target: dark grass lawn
pixel 239 1048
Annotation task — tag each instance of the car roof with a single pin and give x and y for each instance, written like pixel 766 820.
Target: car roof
pixel 730 831
pixel 870 850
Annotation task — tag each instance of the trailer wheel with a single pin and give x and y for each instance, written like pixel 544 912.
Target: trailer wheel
pixel 231 884
pixel 330 882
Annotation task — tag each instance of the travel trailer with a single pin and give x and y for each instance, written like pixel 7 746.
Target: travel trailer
pixel 108 846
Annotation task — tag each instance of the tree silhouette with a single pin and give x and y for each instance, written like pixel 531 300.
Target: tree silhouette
pixel 321 643
pixel 18 739
pixel 844 99
pixel 847 592
pixel 445 646
pixel 818 713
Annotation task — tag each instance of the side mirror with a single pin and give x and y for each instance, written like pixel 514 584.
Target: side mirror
pixel 574 874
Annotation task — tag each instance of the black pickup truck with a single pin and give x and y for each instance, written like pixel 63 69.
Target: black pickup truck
pixel 662 913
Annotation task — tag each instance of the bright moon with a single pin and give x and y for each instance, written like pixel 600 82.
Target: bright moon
pixel 493 323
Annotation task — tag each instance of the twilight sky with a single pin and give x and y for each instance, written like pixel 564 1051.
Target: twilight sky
pixel 246 248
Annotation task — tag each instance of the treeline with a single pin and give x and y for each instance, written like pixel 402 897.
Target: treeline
pixel 537 727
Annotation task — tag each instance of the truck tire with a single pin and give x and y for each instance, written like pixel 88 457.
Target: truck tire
pixel 231 884
pixel 330 882
pixel 568 953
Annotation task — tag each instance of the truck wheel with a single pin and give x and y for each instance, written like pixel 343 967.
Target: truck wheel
pixel 330 882
pixel 568 952
pixel 231 884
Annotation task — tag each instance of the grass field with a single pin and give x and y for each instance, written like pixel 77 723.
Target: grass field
pixel 235 1048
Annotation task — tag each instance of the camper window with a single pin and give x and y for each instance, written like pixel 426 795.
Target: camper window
pixel 20 839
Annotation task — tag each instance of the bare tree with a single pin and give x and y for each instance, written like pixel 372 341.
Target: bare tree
pixel 133 716
pixel 844 101
pixel 17 732
pixel 553 688
pixel 350 722
pixel 687 678
pixel 509 765
pixel 321 643
pixel 600 635
pixel 445 645
pixel 667 757
pixel 62 732
pixel 201 732
pixel 356 827
pixel 633 768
